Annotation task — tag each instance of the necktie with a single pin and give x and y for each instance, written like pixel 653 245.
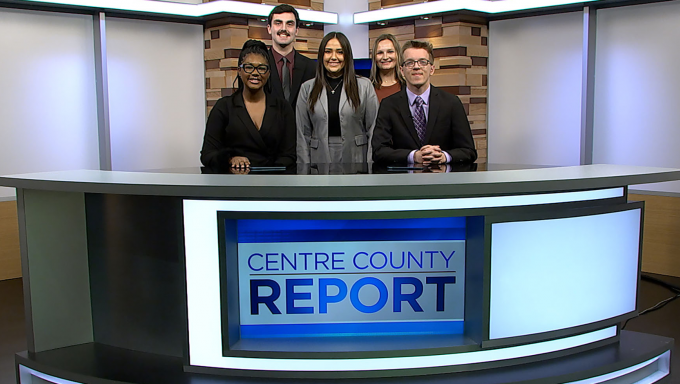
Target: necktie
pixel 285 79
pixel 419 119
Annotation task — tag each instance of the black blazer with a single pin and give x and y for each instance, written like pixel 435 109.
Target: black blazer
pixel 303 70
pixel 395 135
pixel 230 132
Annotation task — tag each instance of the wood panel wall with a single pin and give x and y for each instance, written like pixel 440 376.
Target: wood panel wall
pixel 10 258
pixel 661 245
pixel 225 37
pixel 460 42
pixel 377 4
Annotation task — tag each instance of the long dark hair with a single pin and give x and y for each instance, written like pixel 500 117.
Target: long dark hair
pixel 348 76
pixel 257 47
pixel 376 78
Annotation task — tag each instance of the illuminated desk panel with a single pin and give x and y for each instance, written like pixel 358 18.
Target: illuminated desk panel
pixel 146 263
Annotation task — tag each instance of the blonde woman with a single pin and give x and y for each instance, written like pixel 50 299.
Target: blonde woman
pixel 385 74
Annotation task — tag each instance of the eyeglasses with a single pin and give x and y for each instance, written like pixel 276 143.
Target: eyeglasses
pixel 411 63
pixel 249 68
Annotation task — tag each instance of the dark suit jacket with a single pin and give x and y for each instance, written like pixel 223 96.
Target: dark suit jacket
pixel 303 70
pixel 395 135
pixel 231 132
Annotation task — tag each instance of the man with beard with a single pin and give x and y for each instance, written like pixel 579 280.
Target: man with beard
pixel 422 124
pixel 292 68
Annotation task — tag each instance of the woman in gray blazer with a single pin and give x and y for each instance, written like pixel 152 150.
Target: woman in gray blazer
pixel 336 110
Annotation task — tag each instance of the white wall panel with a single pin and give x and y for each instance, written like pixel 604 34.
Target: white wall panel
pixel 48 118
pixel 535 67
pixel 156 94
pixel 356 33
pixel 637 88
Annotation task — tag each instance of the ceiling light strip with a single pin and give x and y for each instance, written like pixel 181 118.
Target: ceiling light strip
pixel 443 6
pixel 192 10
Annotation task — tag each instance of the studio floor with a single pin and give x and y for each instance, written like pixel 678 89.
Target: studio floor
pixel 664 322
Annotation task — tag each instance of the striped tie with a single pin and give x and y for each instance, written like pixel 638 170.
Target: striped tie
pixel 419 119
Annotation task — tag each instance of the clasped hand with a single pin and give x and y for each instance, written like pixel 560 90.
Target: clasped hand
pixel 430 154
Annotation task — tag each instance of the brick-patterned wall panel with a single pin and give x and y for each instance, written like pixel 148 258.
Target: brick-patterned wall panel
pixel 378 4
pixel 461 54
pixel 461 62
pixel 224 39
pixel 222 46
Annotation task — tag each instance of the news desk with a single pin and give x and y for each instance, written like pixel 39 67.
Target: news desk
pixel 496 276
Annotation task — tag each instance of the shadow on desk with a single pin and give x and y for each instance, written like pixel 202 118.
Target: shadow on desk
pixel 344 169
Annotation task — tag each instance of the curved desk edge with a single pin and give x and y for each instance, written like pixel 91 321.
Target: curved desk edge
pixel 343 186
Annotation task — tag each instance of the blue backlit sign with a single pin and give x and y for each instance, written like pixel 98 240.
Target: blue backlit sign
pixel 351 287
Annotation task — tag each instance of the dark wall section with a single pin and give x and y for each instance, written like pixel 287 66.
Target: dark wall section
pixel 474 278
pixel 135 248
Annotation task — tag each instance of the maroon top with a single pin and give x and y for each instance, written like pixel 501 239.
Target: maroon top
pixel 383 92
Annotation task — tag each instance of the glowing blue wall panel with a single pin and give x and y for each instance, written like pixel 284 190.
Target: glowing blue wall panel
pixel 552 274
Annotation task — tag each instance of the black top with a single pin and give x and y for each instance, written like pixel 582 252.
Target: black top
pixel 231 132
pixel 334 105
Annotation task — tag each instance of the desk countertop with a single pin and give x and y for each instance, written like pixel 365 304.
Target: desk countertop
pixel 365 186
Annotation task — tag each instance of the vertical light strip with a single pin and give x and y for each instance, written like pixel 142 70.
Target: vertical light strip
pixel 588 84
pixel 102 83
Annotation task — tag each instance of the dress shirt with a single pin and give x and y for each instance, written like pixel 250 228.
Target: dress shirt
pixel 278 58
pixel 426 108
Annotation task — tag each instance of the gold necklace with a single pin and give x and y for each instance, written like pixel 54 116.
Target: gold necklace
pixel 336 87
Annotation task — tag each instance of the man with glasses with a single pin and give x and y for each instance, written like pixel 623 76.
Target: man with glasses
pixel 422 124
pixel 289 68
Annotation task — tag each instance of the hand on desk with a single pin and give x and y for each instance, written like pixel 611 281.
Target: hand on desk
pixel 239 171
pixel 239 162
pixel 430 154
